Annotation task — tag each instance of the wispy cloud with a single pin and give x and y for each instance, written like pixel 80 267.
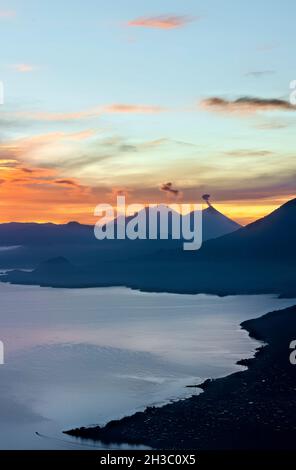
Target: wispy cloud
pixel 24 68
pixel 161 22
pixel 116 108
pixel 259 73
pixel 271 126
pixel 7 14
pixel 51 146
pixel 249 153
pixel 68 182
pixel 246 105
pixel 131 109
pixel 8 163
pixel 52 137
pixel 267 47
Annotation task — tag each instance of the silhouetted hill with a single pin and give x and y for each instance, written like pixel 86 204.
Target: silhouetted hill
pixel 271 238
pixel 34 242
pixel 28 234
pixel 215 224
pixel 259 258
pixel 53 272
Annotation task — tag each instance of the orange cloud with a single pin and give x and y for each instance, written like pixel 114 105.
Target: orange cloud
pixel 116 108
pixel 160 22
pixel 41 197
pixel 37 194
pixel 24 68
pixel 132 109
pixel 22 147
pixel 41 194
pixel 7 163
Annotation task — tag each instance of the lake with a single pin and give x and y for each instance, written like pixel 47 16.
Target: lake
pixel 85 356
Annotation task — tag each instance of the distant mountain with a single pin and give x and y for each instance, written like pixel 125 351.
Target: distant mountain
pixel 214 223
pixel 32 243
pixel 259 258
pixel 270 239
pixel 15 233
pixel 59 266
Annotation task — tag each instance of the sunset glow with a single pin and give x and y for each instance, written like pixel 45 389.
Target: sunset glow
pixel 150 115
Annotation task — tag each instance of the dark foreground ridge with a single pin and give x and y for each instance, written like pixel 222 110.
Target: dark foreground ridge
pixel 251 409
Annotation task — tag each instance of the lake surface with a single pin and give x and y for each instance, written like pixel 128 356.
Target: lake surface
pixel 85 356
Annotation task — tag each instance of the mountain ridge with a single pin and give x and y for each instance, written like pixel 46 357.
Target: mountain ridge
pixel 259 258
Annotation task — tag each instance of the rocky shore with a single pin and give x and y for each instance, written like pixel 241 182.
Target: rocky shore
pixel 250 409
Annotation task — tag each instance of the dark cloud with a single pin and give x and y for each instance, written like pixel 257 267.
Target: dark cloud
pixel 19 180
pixel 263 186
pixel 246 105
pixel 27 170
pixel 168 188
pixel 67 182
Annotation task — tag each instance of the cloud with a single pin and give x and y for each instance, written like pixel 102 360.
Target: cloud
pixel 53 194
pixel 38 149
pixel 76 153
pixel 267 126
pixel 117 108
pixel 131 109
pixel 260 73
pixel 264 185
pixel 7 14
pixel 246 105
pixel 267 47
pixel 249 153
pixel 168 188
pixel 27 170
pixel 160 22
pixel 8 163
pixel 24 68
pixel 68 182
pixel 28 144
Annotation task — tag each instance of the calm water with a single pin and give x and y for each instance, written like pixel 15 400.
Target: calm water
pixel 82 357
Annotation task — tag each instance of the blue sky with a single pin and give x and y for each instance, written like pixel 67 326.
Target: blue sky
pixel 62 57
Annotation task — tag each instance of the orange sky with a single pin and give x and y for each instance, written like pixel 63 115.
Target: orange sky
pixel 40 195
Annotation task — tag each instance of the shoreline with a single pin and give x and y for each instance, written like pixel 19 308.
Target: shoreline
pixel 249 409
pixel 149 290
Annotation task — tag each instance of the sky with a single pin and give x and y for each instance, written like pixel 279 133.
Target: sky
pixel 160 101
